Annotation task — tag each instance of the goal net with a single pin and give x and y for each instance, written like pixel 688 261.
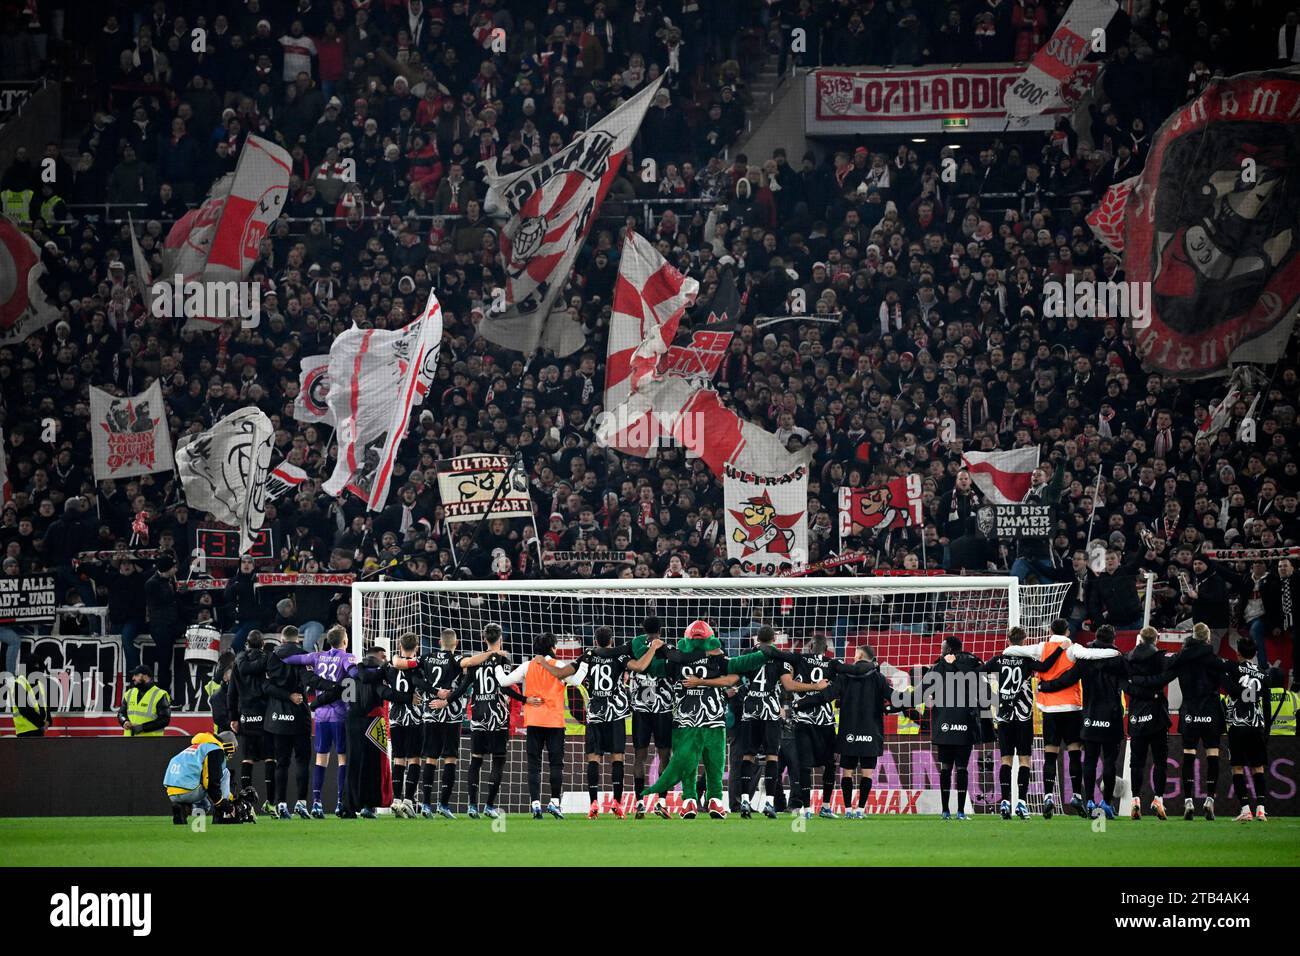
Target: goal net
pixel 905 619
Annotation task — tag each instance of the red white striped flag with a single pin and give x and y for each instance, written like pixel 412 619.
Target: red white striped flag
pixel 1003 476
pixel 650 298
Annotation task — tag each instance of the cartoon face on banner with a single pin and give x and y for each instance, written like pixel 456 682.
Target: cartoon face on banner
pixel 762 529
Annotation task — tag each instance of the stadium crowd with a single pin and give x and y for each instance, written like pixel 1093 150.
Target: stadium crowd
pixel 930 291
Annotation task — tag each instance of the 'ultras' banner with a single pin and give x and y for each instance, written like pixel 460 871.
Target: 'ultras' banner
pixel 893 505
pixel 469 483
pixel 549 209
pixel 220 241
pixel 1211 225
pixel 129 435
pixel 1058 63
pixel 767 519
pixel 845 102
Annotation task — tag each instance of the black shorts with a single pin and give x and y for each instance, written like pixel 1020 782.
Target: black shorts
pixel 609 737
pixel 854 762
pixel 816 745
pixel 1207 733
pixel 287 747
pixel 256 747
pixel 648 727
pixel 1062 727
pixel 1247 747
pixel 1016 737
pixel 958 754
pixel 758 736
pixel 488 742
pixel 441 740
pixel 408 741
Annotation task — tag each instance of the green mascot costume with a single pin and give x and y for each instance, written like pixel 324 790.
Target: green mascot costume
pixel 699 714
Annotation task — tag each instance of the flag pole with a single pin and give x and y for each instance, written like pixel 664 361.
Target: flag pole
pixel 1096 492
pixel 451 541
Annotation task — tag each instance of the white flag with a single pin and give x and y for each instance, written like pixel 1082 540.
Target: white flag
pixel 1046 82
pixel 24 308
pixel 6 489
pixel 312 403
pixel 376 378
pixel 283 478
pixel 138 259
pixel 1003 476
pixel 129 435
pixel 767 519
pixel 550 208
pixel 224 471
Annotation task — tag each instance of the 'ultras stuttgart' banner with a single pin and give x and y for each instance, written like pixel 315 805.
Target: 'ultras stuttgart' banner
pixel 129 434
pixel 767 519
pixel 468 485
pixel 1212 225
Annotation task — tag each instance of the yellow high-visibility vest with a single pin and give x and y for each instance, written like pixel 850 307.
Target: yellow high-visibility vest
pixel 1282 705
pixel 47 213
pixel 34 696
pixel 142 708
pixel 17 204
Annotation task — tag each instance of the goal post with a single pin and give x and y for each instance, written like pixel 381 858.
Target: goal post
pixel 904 618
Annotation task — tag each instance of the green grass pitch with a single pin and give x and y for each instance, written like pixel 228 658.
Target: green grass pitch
pixel 875 841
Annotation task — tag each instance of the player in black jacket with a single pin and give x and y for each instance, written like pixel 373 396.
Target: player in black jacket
pixel 1015 713
pixel 864 696
pixel 952 697
pixel 1148 721
pixel 288 722
pixel 1103 672
pixel 1200 673
pixel 248 710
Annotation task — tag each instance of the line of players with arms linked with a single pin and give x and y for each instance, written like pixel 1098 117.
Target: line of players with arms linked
pixel 786 720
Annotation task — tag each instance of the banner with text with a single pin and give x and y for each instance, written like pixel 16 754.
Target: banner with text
pixel 469 483
pixel 767 519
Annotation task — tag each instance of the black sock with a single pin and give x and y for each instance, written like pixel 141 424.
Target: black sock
pixel 1212 774
pixel 412 781
pixel 746 775
pixel 1259 786
pixel 1050 763
pixel 828 784
pixel 772 780
pixel 1004 782
pixel 846 786
pixel 399 781
pixel 475 768
pixel 1239 787
pixel 1189 775
pixel 805 786
pixel 269 781
pixel 963 778
pixel 427 773
pixel 593 779
pixel 638 784
pixel 282 780
pixel 494 782
pixel 245 776
pixel 448 784
pixel 945 784
pixel 864 790
pixel 1108 777
pixel 701 786
pixel 616 772
pixel 1076 774
pixel 1022 781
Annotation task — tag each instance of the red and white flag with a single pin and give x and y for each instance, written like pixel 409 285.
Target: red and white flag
pixel 549 209
pixel 129 434
pixel 283 479
pixel 650 297
pixel 219 241
pixel 1047 81
pixel 312 403
pixel 1003 476
pixel 376 377
pixel 693 416
pixel 23 306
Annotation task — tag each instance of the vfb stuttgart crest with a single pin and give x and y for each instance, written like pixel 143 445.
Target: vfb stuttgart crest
pixel 835 94
pixel 762 529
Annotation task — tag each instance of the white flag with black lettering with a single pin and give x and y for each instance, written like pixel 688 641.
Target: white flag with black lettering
pixel 224 471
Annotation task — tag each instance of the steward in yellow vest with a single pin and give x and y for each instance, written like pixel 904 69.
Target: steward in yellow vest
pixel 30 710
pixel 146 708
pixel 1282 705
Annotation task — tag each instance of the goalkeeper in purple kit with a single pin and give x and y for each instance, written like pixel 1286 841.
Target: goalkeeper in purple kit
pixel 330 712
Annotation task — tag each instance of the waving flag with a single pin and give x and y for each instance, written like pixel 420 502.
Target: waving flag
pixel 693 416
pixel 1212 225
pixel 1003 476
pixel 708 346
pixel 219 241
pixel 224 471
pixel 312 403
pixel 376 378
pixel 138 259
pixel 896 504
pixel 650 297
pixel 1053 75
pixel 283 479
pixel 23 306
pixel 129 434
pixel 549 209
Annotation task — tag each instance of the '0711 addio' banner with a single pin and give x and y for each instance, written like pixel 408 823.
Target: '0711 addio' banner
pixel 1212 225
pixel 767 519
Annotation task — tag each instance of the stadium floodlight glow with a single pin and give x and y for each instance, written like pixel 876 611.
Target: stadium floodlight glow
pixel 918 139
pixel 906 619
